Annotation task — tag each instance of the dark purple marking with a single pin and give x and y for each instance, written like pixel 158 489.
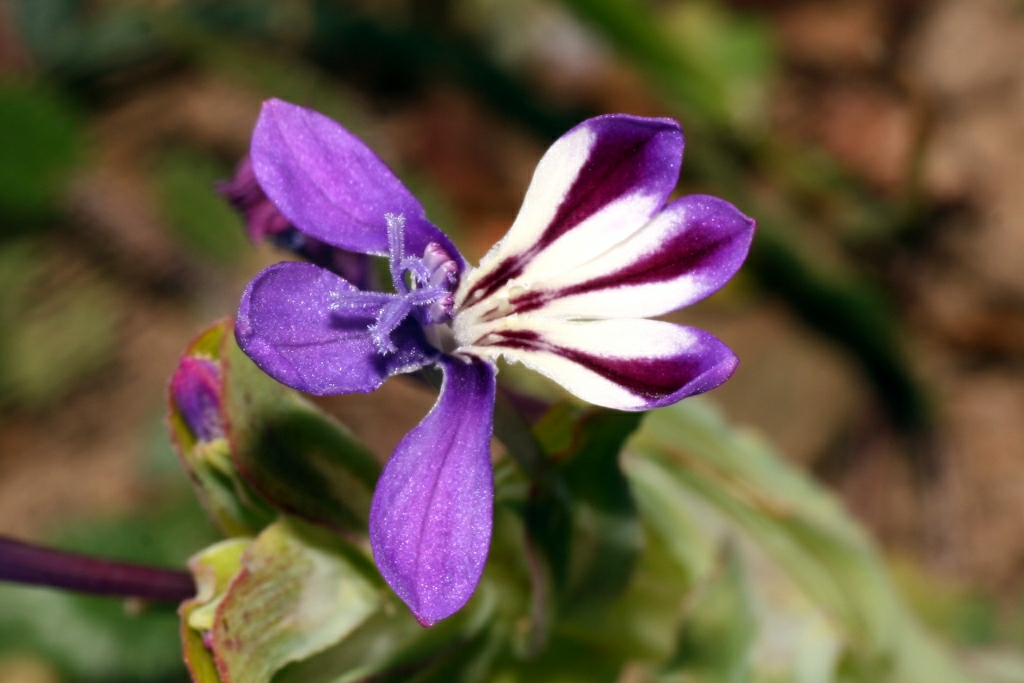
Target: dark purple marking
pixel 623 159
pixel 627 154
pixel 649 378
pixel 511 267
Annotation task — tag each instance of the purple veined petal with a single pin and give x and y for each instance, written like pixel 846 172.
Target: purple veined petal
pixel 686 253
pixel 333 187
pixel 308 328
pixel 622 364
pixel 431 517
pixel 595 186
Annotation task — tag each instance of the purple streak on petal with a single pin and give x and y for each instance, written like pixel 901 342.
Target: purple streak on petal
pixel 710 242
pixel 195 390
pixel 308 328
pixel 700 367
pixel 430 521
pixel 333 187
pixel 631 154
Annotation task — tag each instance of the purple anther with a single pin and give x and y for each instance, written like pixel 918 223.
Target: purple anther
pixel 435 255
pixel 441 310
pixel 445 275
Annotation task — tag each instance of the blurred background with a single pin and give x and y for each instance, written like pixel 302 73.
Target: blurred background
pixel 880 319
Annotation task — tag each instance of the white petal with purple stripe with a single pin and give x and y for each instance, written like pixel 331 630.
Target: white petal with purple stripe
pixel 623 364
pixel 684 254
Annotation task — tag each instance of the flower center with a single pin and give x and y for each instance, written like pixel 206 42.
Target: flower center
pixel 424 287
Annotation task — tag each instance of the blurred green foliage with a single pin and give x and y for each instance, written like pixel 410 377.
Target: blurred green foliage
pixel 42 140
pixel 201 218
pixel 59 329
pixel 78 41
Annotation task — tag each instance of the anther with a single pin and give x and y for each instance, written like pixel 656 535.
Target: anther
pixel 444 275
pixel 435 255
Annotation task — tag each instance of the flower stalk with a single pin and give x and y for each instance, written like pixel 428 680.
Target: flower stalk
pixel 26 563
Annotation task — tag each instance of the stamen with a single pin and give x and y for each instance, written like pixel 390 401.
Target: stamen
pixel 420 270
pixel 434 278
pixel 391 316
pixel 441 310
pixel 435 255
pixel 444 275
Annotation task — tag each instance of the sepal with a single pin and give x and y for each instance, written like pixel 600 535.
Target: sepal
pixel 292 592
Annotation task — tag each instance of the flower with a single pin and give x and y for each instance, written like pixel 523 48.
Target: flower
pixel 593 253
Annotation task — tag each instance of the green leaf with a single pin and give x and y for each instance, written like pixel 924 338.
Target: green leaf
pixel 585 518
pixel 203 220
pixel 390 640
pixel 802 529
pixel 43 139
pixel 99 639
pixel 300 590
pixel 54 337
pixel 281 451
pixel 719 628
pixel 710 62
pixel 80 41
pixel 391 646
pixel 566 660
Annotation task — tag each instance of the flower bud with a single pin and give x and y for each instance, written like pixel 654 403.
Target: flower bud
pixel 196 392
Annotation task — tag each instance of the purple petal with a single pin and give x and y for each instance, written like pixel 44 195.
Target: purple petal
pixel 685 254
pixel 598 183
pixel 623 364
pixel 430 522
pixel 308 328
pixel 333 187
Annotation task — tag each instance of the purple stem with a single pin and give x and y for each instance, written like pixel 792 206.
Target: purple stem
pixel 25 563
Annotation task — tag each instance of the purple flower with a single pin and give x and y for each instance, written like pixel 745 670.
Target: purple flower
pixel 594 251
